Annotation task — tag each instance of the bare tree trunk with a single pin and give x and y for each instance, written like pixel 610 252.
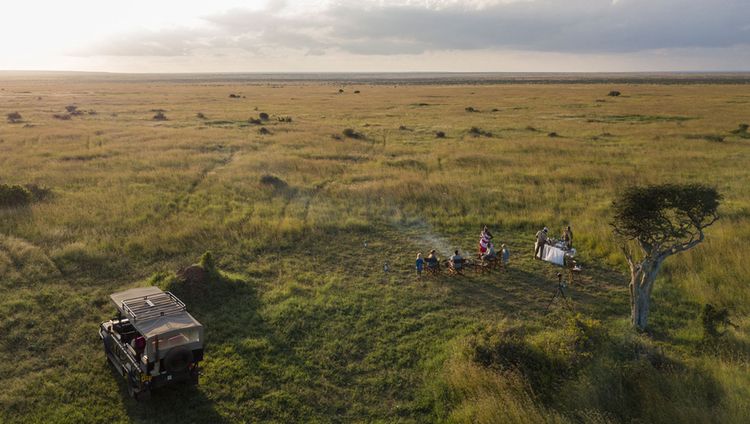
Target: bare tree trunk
pixel 639 306
pixel 641 283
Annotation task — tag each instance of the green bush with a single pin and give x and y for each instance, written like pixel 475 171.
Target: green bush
pixel 38 192
pixel 350 133
pixel 715 321
pixel 14 117
pixel 508 350
pixel 14 196
pixel 207 262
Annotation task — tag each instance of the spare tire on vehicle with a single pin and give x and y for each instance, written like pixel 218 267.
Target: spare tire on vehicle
pixel 178 359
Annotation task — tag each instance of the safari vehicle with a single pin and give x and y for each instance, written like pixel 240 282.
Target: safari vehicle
pixel 153 341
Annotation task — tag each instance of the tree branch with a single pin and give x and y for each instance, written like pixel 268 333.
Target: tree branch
pixel 679 247
pixel 629 258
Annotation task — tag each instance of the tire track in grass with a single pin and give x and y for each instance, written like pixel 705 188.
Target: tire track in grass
pixel 182 198
pixel 316 191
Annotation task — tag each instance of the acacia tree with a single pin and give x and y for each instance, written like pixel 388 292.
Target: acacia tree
pixel 661 220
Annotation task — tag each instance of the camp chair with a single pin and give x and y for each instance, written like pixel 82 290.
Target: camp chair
pixel 572 267
pixel 455 271
pixel 432 271
pixel 493 263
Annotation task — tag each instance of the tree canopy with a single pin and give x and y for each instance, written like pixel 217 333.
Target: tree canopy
pixel 665 217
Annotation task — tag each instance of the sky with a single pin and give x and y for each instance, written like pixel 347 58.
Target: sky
pixel 375 36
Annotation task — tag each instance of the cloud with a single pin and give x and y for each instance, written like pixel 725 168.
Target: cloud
pixel 410 28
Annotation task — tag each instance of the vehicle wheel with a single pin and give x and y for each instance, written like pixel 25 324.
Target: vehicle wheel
pixel 105 341
pixel 143 396
pixel 178 359
pixel 131 391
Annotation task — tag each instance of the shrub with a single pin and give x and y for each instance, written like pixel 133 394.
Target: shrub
pixel 403 128
pixel 73 110
pixel 507 350
pixel 715 321
pixel 496 110
pixel 200 115
pixel 552 134
pixel 614 93
pixel 62 116
pixel 160 116
pixel 341 90
pixel 470 109
pixel 335 136
pixel 234 96
pixel 742 131
pixel 476 132
pixel 14 117
pixel 440 134
pixel 264 131
pixel 356 91
pixel 14 196
pixel 254 121
pixel 714 138
pixel 263 116
pixel 92 112
pixel 38 192
pixel 207 262
pixel 273 181
pixel 285 119
pixel 350 133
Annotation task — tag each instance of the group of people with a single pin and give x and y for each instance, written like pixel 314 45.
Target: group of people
pixel 542 239
pixel 487 253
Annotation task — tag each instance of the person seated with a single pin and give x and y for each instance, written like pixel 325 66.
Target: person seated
pixel 138 343
pixel 490 254
pixel 457 261
pixel 432 260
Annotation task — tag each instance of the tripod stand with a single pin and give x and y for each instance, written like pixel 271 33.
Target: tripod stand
pixel 560 290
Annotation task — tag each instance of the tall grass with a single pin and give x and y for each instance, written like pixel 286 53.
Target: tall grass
pixel 332 337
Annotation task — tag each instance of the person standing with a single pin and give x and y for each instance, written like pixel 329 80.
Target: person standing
pixel 420 264
pixel 567 237
pixel 506 256
pixel 541 240
pixel 484 240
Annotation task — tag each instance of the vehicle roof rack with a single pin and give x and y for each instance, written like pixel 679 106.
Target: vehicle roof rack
pixel 152 306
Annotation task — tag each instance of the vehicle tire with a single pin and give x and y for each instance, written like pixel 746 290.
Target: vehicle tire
pixel 131 391
pixel 178 359
pixel 106 341
pixel 143 396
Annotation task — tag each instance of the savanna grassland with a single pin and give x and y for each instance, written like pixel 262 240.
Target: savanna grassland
pixel 303 324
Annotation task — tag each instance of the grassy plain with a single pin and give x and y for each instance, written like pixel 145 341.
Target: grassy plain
pixel 305 326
